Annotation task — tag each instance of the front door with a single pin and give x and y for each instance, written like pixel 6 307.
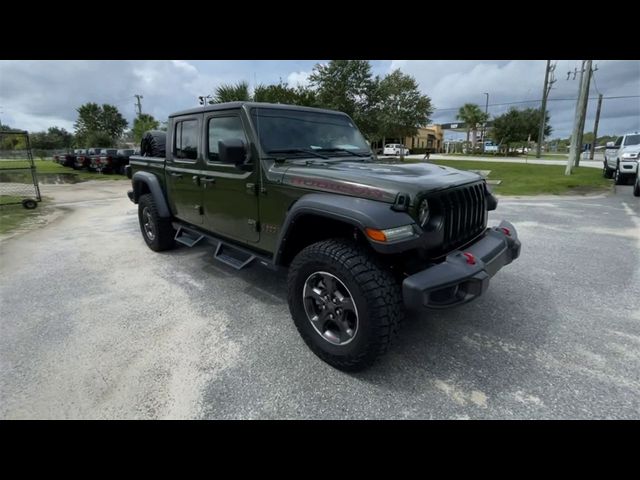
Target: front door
pixel 184 160
pixel 612 153
pixel 230 195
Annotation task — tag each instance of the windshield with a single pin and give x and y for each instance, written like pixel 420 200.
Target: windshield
pixel 632 140
pixel 289 131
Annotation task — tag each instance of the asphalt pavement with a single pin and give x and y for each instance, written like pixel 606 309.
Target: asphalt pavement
pixel 93 324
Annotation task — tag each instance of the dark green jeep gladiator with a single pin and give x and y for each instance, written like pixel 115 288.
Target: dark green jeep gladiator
pixel 299 188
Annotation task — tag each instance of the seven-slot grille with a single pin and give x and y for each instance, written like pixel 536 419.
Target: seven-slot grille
pixel 464 214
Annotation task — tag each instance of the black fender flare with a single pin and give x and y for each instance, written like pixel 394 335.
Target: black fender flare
pixel 152 182
pixel 360 212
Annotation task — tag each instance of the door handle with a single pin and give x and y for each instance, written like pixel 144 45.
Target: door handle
pixel 177 175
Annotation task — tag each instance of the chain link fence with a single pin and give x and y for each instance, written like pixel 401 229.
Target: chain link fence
pixel 18 179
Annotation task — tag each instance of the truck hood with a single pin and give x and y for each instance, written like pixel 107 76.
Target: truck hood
pixel 377 181
pixel 630 149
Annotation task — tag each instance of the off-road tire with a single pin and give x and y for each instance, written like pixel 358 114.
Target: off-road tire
pixel 606 171
pixel 375 292
pixel 164 231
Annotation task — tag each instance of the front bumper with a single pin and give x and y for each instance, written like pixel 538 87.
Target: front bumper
pixel 629 167
pixel 456 281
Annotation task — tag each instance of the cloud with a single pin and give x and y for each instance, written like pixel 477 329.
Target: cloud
pixel 296 79
pixel 450 84
pixel 37 94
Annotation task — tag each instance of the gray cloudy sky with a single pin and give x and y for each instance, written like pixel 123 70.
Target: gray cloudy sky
pixel 35 95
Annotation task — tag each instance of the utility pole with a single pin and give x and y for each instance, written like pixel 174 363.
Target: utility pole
pixel 139 105
pixel 595 128
pixel 548 83
pixel 583 116
pixel 576 136
pixel 484 125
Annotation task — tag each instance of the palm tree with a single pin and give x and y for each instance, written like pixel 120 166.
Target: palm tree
pixel 232 93
pixel 473 117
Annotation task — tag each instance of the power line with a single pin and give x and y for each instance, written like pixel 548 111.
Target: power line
pixel 540 100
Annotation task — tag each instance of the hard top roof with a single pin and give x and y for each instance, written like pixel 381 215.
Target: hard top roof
pixel 230 105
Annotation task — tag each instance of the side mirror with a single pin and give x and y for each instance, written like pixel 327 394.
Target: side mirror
pixel 232 150
pixel 610 145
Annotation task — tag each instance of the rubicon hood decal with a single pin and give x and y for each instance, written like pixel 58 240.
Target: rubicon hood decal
pixel 376 181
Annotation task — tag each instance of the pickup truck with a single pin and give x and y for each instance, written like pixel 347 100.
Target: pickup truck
pixel 66 159
pixel 298 188
pixel 621 158
pixel 102 160
pixel 83 160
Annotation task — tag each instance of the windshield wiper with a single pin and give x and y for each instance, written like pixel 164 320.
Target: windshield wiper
pixel 344 150
pixel 299 150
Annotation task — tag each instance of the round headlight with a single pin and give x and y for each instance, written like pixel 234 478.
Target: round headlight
pixel 423 213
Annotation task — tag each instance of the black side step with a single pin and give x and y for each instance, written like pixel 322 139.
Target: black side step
pixel 187 237
pixel 233 257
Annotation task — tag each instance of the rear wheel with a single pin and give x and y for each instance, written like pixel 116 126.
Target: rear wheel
pixel 157 232
pixel 346 306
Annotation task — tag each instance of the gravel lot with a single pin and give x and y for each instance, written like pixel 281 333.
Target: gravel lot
pixel 93 324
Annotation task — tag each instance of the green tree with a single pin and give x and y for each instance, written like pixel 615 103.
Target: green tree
pixel 518 126
pixel 400 106
pixel 238 92
pixel 95 118
pixel 282 93
pixel 99 139
pixel 473 118
pixel 112 122
pixel 348 86
pixel 143 123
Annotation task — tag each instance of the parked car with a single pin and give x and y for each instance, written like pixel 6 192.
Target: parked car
pixel 395 149
pixel 362 240
pixel 621 158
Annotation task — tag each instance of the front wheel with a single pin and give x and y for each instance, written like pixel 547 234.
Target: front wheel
pixel 606 171
pixel 618 176
pixel 345 305
pixel 157 232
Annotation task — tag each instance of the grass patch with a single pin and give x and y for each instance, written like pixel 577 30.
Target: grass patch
pixel 528 156
pixel 523 179
pixel 49 166
pixel 12 216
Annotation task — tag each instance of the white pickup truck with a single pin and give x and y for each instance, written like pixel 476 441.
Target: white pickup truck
pixel 621 158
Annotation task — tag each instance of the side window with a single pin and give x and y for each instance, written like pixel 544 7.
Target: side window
pixel 223 128
pixel 618 142
pixel 185 144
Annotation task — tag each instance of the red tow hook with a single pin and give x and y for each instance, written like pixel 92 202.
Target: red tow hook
pixel 506 231
pixel 471 260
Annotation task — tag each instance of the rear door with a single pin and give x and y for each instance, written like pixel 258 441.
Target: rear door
pixel 230 194
pixel 184 160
